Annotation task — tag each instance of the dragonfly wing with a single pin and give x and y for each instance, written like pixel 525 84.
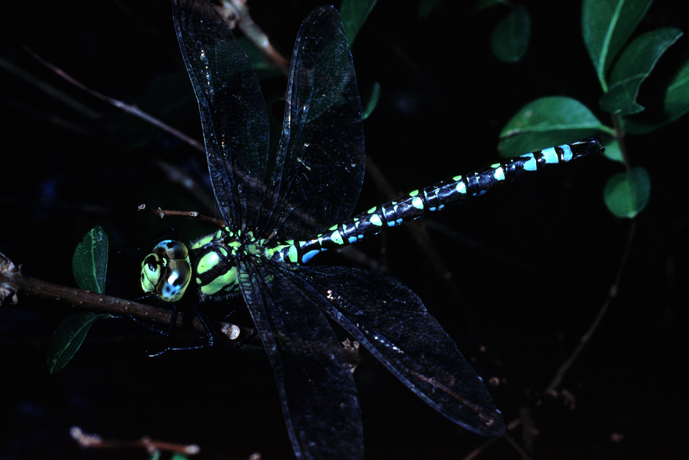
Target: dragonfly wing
pixel 233 111
pixel 320 159
pixel 316 388
pixel 393 324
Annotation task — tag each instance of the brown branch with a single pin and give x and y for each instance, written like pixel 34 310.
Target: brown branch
pixel 12 282
pixel 178 176
pixel 489 442
pixel 236 14
pixel 90 441
pixel 190 214
pixel 133 110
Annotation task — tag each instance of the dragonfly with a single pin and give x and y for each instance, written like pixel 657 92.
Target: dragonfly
pixel 282 208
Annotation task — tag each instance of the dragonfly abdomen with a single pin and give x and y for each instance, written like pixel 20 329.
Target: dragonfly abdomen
pixel 437 197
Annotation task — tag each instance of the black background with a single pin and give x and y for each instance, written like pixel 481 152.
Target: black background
pixel 530 265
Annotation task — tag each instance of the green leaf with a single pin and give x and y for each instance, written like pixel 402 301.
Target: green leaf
pixel 626 194
pixel 68 337
pixel 676 101
pixel 634 65
pixel 621 98
pixel 90 261
pixel 354 14
pixel 372 101
pixel 510 38
pixel 89 265
pixel 483 4
pixel 547 122
pixel 426 7
pixel 613 152
pixel 179 456
pixel 641 55
pixel 675 104
pixel 606 25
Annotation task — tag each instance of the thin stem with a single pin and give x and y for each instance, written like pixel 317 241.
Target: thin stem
pixel 190 214
pixel 87 300
pixel 510 427
pixel 86 440
pixel 619 137
pixel 133 110
pixel 612 293
pixel 236 14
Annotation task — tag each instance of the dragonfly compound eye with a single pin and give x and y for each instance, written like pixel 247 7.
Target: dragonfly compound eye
pixel 166 272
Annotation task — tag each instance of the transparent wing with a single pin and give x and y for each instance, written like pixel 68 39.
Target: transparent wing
pixel 317 391
pixel 314 179
pixel 320 159
pixel 392 323
pixel 233 111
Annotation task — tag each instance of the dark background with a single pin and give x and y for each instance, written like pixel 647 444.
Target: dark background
pixel 530 265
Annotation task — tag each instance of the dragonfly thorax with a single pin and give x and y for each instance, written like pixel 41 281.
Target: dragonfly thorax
pixel 215 260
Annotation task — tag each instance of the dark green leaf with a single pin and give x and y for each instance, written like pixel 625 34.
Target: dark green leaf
pixel 89 265
pixel 546 122
pixel 613 152
pixel 635 64
pixel 372 100
pixel 426 7
pixel 621 98
pixel 179 456
pixel 510 38
pixel 675 104
pixel 626 194
pixel 68 337
pixel 606 25
pixel 354 14
pixel 641 55
pixel 90 261
pixel 483 4
pixel 677 95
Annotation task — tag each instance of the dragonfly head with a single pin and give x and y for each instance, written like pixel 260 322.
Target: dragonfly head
pixel 166 271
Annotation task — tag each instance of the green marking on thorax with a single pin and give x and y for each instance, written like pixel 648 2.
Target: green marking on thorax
pixel 226 281
pixel 207 262
pixel 204 241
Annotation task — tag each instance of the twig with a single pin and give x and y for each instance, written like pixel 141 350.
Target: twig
pixel 91 441
pixel 236 14
pixel 190 214
pixel 612 293
pixel 176 175
pixel 479 450
pixel 119 104
pixel 12 282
